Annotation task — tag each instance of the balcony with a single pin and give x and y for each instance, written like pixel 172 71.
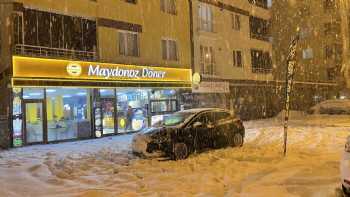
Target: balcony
pixel 47 52
pixel 261 37
pixel 259 3
pixel 262 70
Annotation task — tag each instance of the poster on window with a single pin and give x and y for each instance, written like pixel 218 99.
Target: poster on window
pixel 17 117
pixel 98 119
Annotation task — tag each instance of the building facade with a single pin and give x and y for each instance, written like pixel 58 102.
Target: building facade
pixel 320 53
pixel 84 69
pixel 232 51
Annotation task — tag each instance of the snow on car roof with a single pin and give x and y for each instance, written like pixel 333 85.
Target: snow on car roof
pixel 196 110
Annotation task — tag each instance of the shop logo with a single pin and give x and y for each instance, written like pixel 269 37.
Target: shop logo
pixel 74 69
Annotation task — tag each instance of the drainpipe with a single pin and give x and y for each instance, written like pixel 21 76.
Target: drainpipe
pixel 191 33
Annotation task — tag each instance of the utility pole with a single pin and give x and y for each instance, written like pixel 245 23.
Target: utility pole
pixel 291 62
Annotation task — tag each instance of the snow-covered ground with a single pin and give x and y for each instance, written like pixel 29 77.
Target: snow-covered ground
pixel 105 168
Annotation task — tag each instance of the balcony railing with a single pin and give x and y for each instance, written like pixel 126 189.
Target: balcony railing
pixel 259 3
pixel 262 70
pixel 261 37
pixel 47 52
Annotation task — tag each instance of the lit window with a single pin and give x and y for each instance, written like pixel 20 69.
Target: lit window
pixel 207 60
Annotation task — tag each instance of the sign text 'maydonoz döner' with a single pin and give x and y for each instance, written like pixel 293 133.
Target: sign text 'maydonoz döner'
pixel 125 73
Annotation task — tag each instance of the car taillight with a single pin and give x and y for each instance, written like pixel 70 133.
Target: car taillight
pixel 347 147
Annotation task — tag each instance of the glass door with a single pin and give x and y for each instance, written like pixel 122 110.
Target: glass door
pixel 34 122
pixel 108 116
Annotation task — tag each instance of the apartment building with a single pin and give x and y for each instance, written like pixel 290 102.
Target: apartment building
pixel 85 68
pixel 320 53
pixel 232 51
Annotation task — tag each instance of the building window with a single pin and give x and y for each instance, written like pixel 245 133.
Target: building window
pixel 168 6
pixel 237 58
pixel 331 73
pixel 169 50
pixel 332 28
pixel 131 1
pixel 259 28
pixel 261 3
pixel 205 16
pixel 308 53
pixel 334 51
pixel 39 33
pixel 261 61
pixel 207 60
pixel 236 22
pixel 128 44
pixel 329 5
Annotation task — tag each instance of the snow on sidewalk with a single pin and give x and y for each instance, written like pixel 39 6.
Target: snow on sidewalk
pixel 104 167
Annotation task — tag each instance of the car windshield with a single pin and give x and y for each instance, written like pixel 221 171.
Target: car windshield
pixel 173 119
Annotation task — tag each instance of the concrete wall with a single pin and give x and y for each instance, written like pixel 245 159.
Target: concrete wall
pixel 5 35
pixel 225 39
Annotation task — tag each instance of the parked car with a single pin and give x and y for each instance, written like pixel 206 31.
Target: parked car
pixel 345 168
pixel 182 133
pixel 332 107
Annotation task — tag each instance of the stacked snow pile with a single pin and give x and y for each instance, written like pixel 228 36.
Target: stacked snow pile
pixel 334 106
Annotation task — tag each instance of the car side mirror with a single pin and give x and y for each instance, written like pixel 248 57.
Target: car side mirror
pixel 197 125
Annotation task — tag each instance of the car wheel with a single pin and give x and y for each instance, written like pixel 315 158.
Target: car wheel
pixel 180 151
pixel 237 140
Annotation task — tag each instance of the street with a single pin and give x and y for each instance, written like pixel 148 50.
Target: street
pixel 105 167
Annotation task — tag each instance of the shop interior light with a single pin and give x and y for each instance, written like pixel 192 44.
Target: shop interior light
pixel 66 96
pixel 50 90
pixel 35 94
pixel 26 97
pixel 81 93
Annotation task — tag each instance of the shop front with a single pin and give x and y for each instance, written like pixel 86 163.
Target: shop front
pixel 60 100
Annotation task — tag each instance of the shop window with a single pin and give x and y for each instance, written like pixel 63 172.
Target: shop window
pixel 169 50
pixel 33 93
pixel 68 113
pixel 128 44
pixel 107 93
pixel 164 106
pixel 132 105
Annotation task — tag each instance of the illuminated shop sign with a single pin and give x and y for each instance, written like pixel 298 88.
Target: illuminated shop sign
pixel 27 67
